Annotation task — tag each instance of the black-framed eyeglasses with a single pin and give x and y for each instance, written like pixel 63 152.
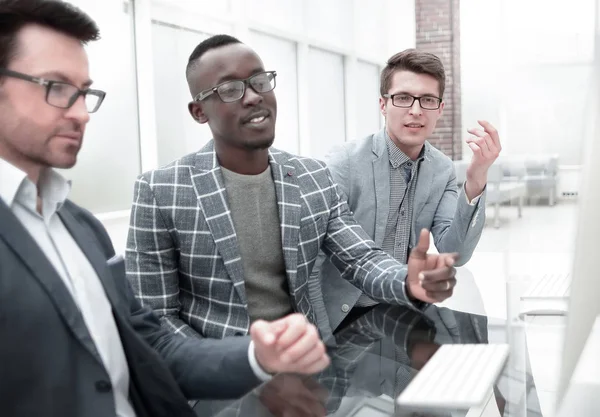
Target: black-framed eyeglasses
pixel 60 94
pixel 406 101
pixel 231 91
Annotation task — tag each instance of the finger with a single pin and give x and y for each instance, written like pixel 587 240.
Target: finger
pixel 476 150
pixel 317 366
pixel 312 384
pixel 438 297
pixel 436 275
pixel 476 132
pixel 278 326
pixel 316 408
pixel 431 262
pixel 301 403
pixel 422 247
pixel 315 353
pixel 439 286
pixel 451 258
pixel 316 388
pixel 295 409
pixel 440 262
pixel 261 333
pixel 309 345
pixel 483 145
pixel 491 145
pixel 304 408
pixel 491 130
pixel 311 400
pixel 296 327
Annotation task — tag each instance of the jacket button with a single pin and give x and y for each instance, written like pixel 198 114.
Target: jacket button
pixel 345 308
pixel 103 386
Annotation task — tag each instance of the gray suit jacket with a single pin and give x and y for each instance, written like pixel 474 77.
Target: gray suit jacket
pixel 361 170
pixel 183 258
pixel 49 365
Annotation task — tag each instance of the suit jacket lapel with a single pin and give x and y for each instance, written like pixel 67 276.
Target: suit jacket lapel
pixel 25 247
pixel 212 199
pixel 288 202
pixel 381 177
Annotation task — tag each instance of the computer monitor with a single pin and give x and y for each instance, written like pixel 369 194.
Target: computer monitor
pixel 584 303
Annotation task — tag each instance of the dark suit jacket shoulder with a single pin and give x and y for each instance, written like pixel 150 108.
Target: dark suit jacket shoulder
pixel 49 363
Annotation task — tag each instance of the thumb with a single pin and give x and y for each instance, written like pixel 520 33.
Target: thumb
pixel 277 327
pixel 261 333
pixel 423 244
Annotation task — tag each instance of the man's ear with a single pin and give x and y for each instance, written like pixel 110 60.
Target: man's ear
pixel 197 112
pixel 382 108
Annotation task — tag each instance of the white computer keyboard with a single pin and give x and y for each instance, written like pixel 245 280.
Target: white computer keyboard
pixel 457 377
pixel 547 295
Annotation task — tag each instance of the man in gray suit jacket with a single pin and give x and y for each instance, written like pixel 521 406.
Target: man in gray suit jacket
pixel 74 341
pixel 229 235
pixel 397 183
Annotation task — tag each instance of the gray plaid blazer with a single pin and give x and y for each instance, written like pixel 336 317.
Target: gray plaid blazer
pixel 183 258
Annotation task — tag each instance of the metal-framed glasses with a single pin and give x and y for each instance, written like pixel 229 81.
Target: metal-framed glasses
pixel 61 94
pixel 234 90
pixel 404 100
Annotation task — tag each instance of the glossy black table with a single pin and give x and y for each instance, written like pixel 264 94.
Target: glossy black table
pixel 374 358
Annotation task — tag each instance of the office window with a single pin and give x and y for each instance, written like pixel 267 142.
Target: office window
pixel 287 15
pixel 370 28
pixel 538 123
pixel 220 7
pixel 326 101
pixel 368 116
pixel 280 55
pixel 541 40
pixel 330 22
pixel 177 133
pixel 110 159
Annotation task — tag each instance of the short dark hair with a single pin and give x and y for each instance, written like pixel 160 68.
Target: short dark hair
pixel 206 45
pixel 55 14
pixel 416 61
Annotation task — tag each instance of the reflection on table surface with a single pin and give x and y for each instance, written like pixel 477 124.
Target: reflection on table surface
pixel 374 358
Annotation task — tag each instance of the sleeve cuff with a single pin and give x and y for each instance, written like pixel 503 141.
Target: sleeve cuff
pixel 475 200
pixel 256 368
pixel 416 304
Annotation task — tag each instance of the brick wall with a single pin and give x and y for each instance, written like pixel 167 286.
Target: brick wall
pixel 438 32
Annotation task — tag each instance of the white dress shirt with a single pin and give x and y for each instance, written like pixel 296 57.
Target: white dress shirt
pixel 78 275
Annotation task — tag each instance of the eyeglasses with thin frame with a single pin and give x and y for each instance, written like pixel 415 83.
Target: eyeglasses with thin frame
pixel 61 94
pixel 404 101
pixel 234 90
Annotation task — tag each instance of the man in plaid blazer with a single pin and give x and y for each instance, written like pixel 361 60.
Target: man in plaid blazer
pixel 229 235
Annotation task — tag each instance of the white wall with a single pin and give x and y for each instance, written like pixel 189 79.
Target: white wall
pixel 526 66
pixel 110 158
pixel 328 56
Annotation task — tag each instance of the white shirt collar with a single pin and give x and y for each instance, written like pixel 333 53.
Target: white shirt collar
pixel 54 188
